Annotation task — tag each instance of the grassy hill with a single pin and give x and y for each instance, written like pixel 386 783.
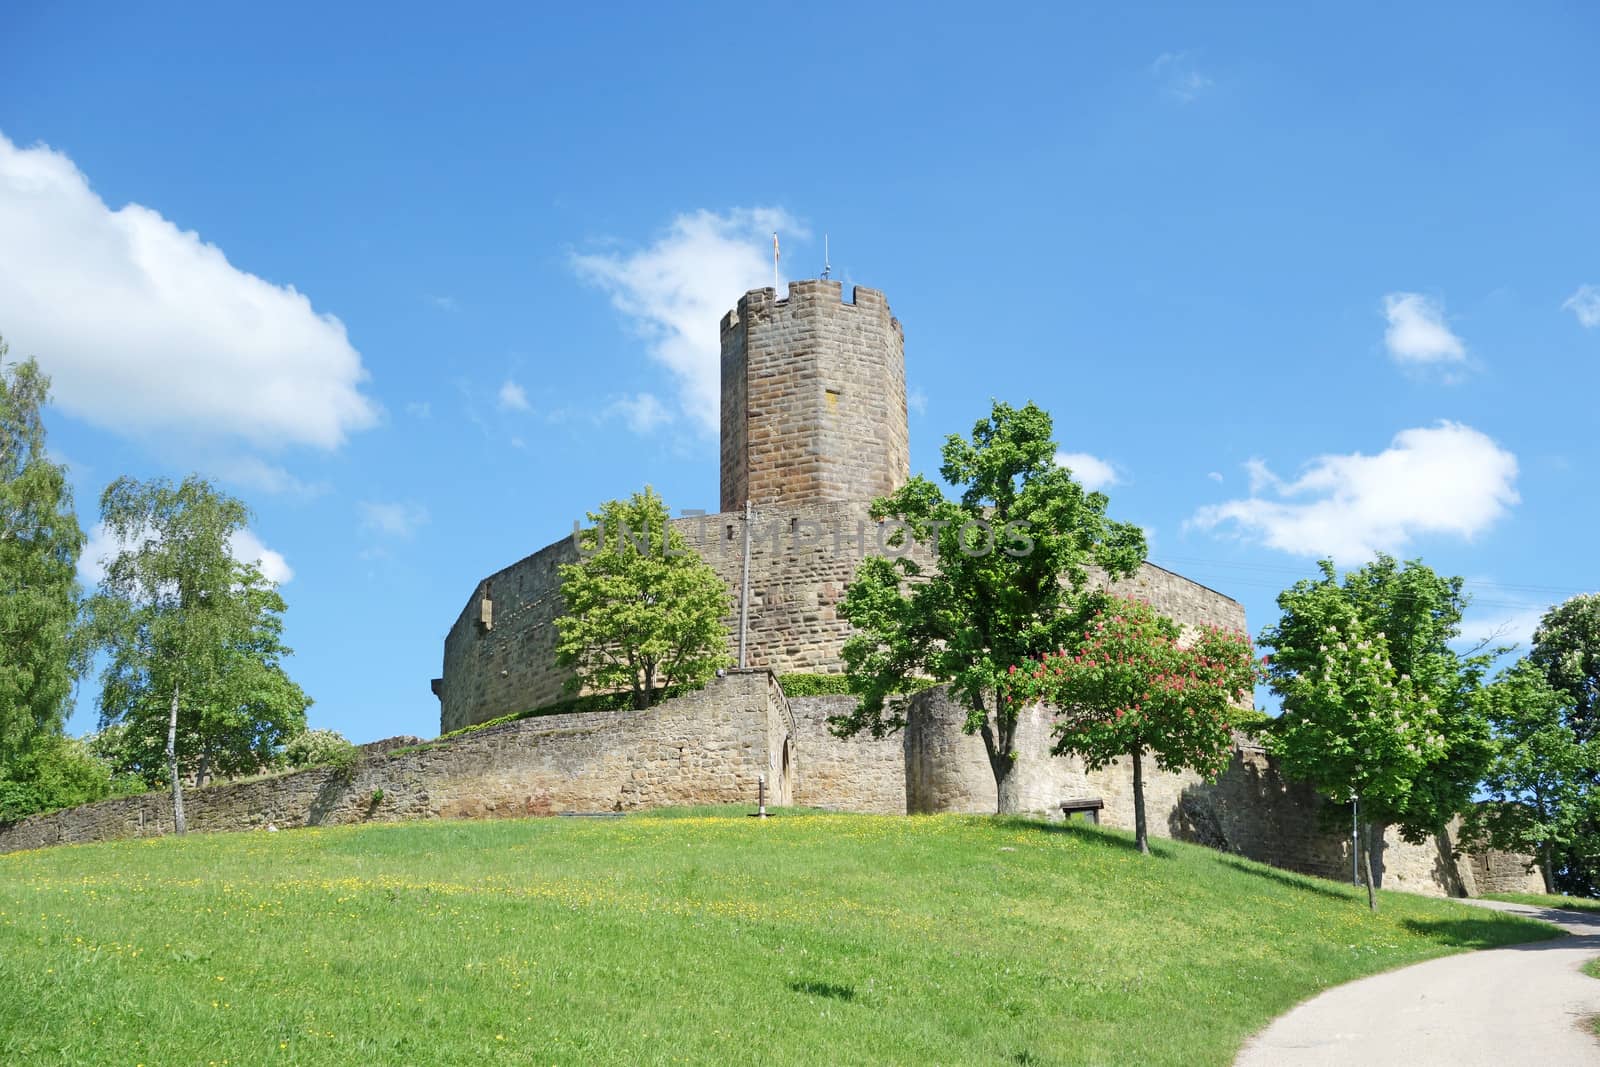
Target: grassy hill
pixel 701 937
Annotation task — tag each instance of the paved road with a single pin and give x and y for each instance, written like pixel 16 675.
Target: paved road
pixel 1526 1004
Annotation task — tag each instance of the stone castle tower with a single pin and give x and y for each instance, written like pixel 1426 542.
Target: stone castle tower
pixel 813 398
pixel 813 430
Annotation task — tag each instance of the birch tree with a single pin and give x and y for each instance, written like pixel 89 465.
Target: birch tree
pixel 192 635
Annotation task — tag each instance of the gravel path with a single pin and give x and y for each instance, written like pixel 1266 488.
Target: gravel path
pixel 1526 1004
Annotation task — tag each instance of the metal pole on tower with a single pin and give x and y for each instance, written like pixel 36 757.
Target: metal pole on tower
pixel 775 286
pixel 827 267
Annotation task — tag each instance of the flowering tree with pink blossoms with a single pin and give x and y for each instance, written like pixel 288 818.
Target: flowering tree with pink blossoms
pixel 1131 685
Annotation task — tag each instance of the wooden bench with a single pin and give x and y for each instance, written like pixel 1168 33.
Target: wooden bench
pixel 1091 805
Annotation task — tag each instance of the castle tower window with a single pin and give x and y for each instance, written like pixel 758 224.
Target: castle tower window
pixel 832 396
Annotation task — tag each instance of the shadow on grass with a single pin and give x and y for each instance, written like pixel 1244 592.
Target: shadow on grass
pixel 1544 900
pixel 723 811
pixel 1477 933
pixel 1088 831
pixel 831 990
pixel 1309 883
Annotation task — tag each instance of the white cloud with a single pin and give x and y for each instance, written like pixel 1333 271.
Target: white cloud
pixel 445 303
pixel 512 397
pixel 1179 78
pixel 97 553
pixel 255 473
pixel 144 327
pixel 1260 474
pixel 1417 333
pixel 392 519
pixel 1215 476
pixel 245 547
pixel 1094 473
pixel 916 401
pixel 419 409
pixel 642 412
pixel 1585 303
pixel 1444 479
pixel 676 291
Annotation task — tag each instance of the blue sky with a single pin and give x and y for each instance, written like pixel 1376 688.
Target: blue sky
pixel 424 285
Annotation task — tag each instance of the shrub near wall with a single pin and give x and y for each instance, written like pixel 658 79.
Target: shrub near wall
pixel 814 685
pixel 827 685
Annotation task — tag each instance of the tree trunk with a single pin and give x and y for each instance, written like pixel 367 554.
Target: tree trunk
pixel 202 773
pixel 179 824
pixel 1366 866
pixel 1008 786
pixel 1141 837
pixel 1546 849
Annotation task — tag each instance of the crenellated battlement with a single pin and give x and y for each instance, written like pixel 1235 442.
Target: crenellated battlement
pixel 805 294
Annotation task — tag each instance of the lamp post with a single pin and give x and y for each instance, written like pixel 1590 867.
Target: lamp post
pixel 1355 841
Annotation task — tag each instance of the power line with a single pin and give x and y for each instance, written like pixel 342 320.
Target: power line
pixel 1233 581
pixel 1564 592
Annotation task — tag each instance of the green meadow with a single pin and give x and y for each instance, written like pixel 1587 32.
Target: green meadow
pixel 701 937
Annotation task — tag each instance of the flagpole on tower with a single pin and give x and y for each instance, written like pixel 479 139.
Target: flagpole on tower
pixel 775 286
pixel 827 267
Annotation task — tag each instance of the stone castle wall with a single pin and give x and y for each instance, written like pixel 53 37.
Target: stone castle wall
pixel 499 657
pixel 846 774
pixel 1250 810
pixel 712 746
pixel 707 747
pixel 813 397
pixel 1494 871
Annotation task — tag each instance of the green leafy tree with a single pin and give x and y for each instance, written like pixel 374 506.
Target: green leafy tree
pixel 192 635
pixel 644 613
pixel 60 772
pixel 1377 709
pixel 1566 646
pixel 1540 783
pixel 1128 684
pixel 1009 576
pixel 40 542
pixel 253 706
pixel 110 746
pixel 1418 612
